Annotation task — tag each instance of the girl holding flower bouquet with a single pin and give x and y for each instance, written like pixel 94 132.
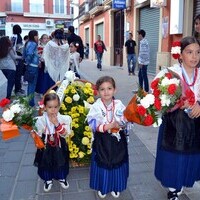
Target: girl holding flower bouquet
pixel 109 166
pixel 53 160
pixel 178 150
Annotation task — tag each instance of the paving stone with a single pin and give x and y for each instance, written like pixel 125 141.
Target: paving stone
pixel 25 190
pixel 28 159
pixel 28 173
pixel 87 195
pixel 83 184
pixel 9 170
pixel 13 156
pixel 78 173
pixel 50 196
pixel 17 146
pixel 73 187
pixel 6 185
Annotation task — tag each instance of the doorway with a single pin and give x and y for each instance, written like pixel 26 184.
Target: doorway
pixel 118 37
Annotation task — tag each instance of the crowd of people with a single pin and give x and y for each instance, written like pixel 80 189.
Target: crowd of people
pixel 38 62
pixel 177 162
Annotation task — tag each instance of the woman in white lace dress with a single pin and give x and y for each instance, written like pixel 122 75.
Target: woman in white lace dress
pixel 56 57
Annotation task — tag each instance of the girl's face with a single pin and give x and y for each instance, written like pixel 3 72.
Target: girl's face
pixel 197 25
pixel 191 56
pixel 106 92
pixel 44 39
pixel 72 48
pixel 52 107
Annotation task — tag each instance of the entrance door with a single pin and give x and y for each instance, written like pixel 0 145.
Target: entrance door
pixel 118 37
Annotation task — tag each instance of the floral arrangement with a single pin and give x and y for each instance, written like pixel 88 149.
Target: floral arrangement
pixel 76 103
pixel 176 49
pixel 19 111
pixel 146 109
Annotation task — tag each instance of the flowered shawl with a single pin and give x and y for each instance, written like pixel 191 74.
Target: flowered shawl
pixel 56 60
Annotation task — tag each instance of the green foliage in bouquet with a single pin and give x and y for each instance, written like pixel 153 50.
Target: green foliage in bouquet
pixel 78 97
pixel 20 112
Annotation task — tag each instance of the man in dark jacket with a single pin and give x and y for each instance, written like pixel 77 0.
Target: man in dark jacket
pixel 75 38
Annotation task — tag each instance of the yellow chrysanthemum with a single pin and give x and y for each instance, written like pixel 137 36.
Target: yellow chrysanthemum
pixel 73 91
pixel 89 151
pixel 81 154
pixel 68 100
pixel 81 110
pixel 76 125
pixel 90 99
pixel 87 128
pixel 88 85
pixel 85 141
pixel 73 109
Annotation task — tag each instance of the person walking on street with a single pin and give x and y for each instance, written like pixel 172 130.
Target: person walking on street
pixel 17 44
pixel 143 60
pixel 53 128
pixel 178 149
pixel 130 52
pixel 8 63
pixel 99 48
pixel 77 39
pixel 32 61
pixel 109 166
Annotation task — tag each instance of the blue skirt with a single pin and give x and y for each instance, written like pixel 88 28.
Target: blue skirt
pixel 176 170
pixel 108 180
pixel 44 82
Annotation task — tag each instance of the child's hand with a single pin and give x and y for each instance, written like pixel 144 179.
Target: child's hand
pixel 53 119
pixel 195 111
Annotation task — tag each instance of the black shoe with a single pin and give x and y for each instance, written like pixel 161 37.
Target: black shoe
pixel 64 184
pixel 173 195
pixel 98 66
pixel 48 185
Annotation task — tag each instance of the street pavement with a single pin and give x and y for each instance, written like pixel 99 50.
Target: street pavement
pixel 19 179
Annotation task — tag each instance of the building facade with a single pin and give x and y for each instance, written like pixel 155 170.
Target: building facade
pixel 163 25
pixel 42 15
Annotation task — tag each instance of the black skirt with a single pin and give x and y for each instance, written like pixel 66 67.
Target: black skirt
pixel 181 133
pixel 110 152
pixel 53 157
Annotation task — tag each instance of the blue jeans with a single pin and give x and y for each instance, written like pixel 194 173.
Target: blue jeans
pixel 131 58
pixel 99 58
pixel 142 75
pixel 19 72
pixel 10 75
pixel 32 84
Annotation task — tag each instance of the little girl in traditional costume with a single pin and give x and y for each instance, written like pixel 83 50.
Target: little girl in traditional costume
pixel 53 160
pixel 109 166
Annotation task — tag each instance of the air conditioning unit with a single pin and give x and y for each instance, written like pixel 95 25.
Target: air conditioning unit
pixel 49 22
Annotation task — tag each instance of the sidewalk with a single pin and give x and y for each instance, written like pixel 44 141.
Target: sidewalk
pixel 19 179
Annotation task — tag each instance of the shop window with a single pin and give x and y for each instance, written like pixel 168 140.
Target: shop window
pixel 37 6
pixel 59 6
pixel 17 5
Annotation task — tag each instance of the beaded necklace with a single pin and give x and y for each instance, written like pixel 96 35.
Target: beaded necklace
pixel 185 77
pixel 112 109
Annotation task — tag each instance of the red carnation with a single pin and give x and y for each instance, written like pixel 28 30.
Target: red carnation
pixel 156 93
pixel 176 43
pixel 4 102
pixel 172 89
pixel 141 110
pixel 168 75
pixel 176 56
pixel 157 104
pixel 148 120
pixel 154 83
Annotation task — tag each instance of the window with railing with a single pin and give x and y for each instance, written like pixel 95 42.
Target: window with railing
pixel 17 5
pixel 36 6
pixel 59 6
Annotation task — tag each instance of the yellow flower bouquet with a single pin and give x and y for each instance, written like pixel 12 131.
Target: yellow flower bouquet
pixel 77 98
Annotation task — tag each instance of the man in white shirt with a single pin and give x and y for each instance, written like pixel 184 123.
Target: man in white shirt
pixel 143 60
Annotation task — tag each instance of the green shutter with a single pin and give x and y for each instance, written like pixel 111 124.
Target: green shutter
pixel 149 21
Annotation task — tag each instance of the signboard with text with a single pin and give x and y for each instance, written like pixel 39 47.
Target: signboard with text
pixel 119 4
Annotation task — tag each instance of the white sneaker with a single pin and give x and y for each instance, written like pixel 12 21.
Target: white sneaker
pixel 64 183
pixel 48 185
pixel 102 196
pixel 115 194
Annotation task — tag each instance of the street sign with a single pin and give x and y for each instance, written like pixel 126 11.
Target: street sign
pixel 119 4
